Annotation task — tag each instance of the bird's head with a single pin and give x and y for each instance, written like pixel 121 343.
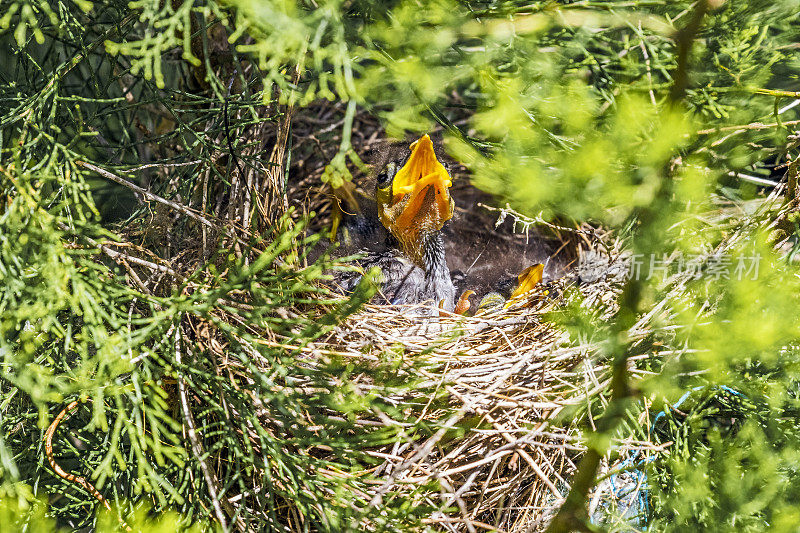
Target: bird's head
pixel 413 198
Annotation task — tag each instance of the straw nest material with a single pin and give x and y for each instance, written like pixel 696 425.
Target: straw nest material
pixel 510 373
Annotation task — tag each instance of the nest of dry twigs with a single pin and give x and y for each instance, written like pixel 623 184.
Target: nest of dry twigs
pixel 510 373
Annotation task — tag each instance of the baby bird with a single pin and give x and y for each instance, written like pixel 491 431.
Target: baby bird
pixel 412 205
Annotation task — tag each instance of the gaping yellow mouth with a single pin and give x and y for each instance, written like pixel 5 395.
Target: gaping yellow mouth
pixel 528 280
pixel 424 179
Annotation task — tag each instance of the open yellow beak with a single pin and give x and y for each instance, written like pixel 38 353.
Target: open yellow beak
pixel 528 279
pixel 422 176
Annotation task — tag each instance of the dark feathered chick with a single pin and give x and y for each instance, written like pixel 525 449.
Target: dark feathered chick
pixel 413 203
pixel 507 290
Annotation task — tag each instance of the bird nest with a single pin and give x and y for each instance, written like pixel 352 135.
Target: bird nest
pixel 512 375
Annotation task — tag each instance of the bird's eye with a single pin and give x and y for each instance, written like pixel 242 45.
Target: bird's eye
pixel 387 174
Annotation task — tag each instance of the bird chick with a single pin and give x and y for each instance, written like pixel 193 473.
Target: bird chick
pixel 413 204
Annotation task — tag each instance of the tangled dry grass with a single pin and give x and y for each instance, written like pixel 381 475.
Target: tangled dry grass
pixel 511 373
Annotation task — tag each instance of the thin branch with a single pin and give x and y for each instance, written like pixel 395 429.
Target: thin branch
pixel 685 39
pixel 147 194
pixel 120 257
pixel 72 478
pixel 754 179
pixel 746 127
pixel 164 165
pixel 197 448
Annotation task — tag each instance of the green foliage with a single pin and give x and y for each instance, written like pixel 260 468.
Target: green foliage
pixel 559 108
pixel 166 27
pixel 733 466
pixel 21 512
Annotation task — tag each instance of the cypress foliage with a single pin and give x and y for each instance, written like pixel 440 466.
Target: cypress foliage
pixel 165 320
